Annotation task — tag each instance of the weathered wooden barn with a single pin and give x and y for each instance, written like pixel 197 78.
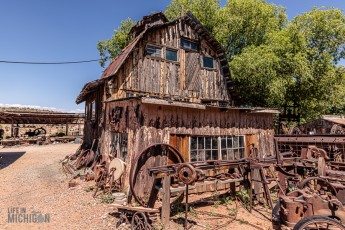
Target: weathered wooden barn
pixel 172 85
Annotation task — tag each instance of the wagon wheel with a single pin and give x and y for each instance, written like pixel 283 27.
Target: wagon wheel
pixel 337 129
pixel 142 184
pixel 39 131
pixel 318 222
pixel 294 130
pixel 139 222
pixel 318 185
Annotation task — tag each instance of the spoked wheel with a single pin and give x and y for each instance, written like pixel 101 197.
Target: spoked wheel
pixel 139 222
pixel 142 184
pixel 318 223
pixel 39 131
pixel 318 185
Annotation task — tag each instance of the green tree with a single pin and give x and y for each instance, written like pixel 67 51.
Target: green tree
pixel 296 64
pixel 109 49
pixel 243 23
pixel 206 11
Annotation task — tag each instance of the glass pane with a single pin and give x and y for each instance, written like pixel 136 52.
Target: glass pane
pixel 194 46
pixel 208 62
pixel 224 155
pixel 241 139
pixel 207 142
pixel 201 155
pixel 223 143
pixel 229 142
pixel 214 154
pixel 153 51
pixel 185 43
pixel 171 55
pixel 193 143
pixel 214 143
pixel 231 154
pixel 208 155
pixel 189 45
pixel 237 154
pixel 201 143
pixel 236 142
pixel 193 156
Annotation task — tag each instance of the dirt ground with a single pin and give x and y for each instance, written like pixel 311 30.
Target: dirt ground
pixel 32 181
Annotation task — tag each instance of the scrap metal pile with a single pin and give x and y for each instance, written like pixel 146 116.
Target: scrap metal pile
pixel 90 164
pixel 309 176
pixel 311 172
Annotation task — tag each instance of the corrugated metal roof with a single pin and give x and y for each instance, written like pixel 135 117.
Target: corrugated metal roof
pixel 115 65
pixel 335 119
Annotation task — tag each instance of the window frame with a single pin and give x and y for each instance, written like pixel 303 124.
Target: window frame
pixel 213 62
pixel 156 47
pixel 241 149
pixel 174 50
pixel 190 44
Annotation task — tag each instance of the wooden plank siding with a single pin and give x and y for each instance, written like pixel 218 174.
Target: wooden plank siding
pixel 184 79
pixel 147 124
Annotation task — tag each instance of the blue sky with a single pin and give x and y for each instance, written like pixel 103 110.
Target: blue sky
pixel 68 30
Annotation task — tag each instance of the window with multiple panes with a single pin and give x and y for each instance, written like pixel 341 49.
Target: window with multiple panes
pixel 232 147
pixel 214 148
pixel 171 55
pixel 208 62
pixel 93 110
pixel 154 51
pixel 189 44
pixel 204 148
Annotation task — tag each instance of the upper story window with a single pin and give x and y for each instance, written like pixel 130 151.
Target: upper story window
pixel 154 51
pixel 189 45
pixel 208 62
pixel 171 55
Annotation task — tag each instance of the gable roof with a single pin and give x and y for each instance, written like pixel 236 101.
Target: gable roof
pixel 195 24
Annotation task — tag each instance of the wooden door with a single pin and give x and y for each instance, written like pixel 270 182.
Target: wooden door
pixel 181 143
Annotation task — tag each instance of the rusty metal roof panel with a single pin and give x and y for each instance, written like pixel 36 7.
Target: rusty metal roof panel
pixel 115 65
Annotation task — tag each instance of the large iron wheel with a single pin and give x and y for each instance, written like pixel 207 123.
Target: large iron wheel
pixel 318 185
pixel 139 222
pixel 39 131
pixel 318 223
pixel 143 185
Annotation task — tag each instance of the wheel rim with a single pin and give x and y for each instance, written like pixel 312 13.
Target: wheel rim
pixel 322 224
pixel 318 185
pixel 139 221
pixel 141 183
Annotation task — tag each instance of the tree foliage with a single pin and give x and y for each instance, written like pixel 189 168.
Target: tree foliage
pixel 206 11
pixel 273 61
pixel 109 49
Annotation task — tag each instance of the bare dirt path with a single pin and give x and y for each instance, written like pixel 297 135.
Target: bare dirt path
pixel 31 178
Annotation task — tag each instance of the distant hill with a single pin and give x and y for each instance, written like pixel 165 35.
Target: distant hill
pixel 25 110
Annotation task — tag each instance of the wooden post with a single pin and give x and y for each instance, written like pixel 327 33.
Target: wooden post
pixel 66 129
pixel 166 201
pixel 12 128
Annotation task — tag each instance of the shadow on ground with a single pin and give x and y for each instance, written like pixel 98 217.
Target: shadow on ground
pixel 7 158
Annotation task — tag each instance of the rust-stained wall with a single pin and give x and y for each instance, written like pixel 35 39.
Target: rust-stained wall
pixel 147 124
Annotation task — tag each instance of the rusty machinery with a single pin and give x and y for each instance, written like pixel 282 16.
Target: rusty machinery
pixel 318 177
pixel 305 209
pixel 159 177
